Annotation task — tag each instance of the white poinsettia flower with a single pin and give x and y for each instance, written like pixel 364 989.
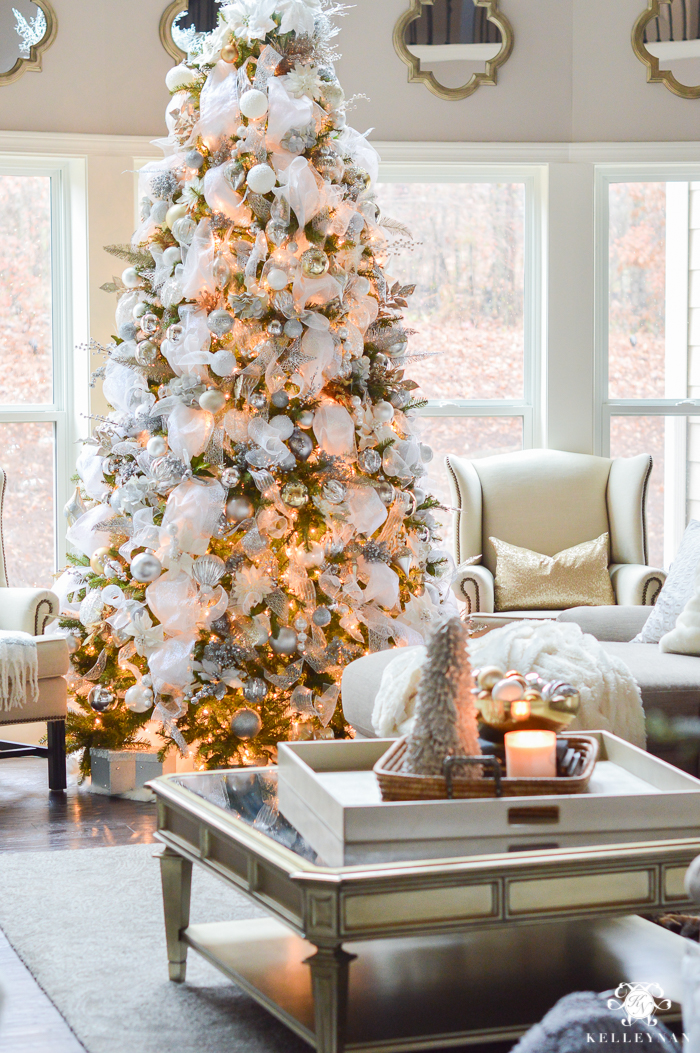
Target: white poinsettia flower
pixel 192 192
pixel 147 636
pixel 298 15
pixel 251 585
pixel 303 80
pixel 250 20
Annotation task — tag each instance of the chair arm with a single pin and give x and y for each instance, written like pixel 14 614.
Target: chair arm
pixel 27 610
pixel 473 585
pixel 635 585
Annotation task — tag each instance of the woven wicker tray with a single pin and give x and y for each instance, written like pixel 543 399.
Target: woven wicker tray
pixel 399 786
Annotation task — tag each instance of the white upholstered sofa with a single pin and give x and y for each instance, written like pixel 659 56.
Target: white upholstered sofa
pixel 547 501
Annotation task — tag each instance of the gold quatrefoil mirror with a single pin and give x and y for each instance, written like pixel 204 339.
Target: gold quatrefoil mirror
pixel 453 46
pixel 666 38
pixel 26 30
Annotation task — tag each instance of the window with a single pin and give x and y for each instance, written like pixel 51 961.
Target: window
pixel 37 425
pixel 474 312
pixel 649 361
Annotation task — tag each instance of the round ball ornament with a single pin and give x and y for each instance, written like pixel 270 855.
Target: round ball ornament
pixel 130 278
pixel 128 331
pixel 193 159
pixel 275 327
pixel 334 491
pixel 230 477
pixel 140 310
pixel 145 567
pixel 97 561
pixel 182 228
pixel 258 401
pixel 229 52
pixel 255 689
pixel 146 353
pixel 277 279
pixel 220 322
pixel 159 212
pixel 301 445
pixel 295 495
pixel 100 699
pixel 157 446
pixel 314 263
pixel 398 348
pixel 246 724
pixel 321 617
pixel 138 699
pixel 293 328
pixel 261 179
pixel 150 323
pixel 175 213
pixel 283 425
pixel 253 104
pixel 276 231
pixel 285 642
pixel 383 412
pixel 212 400
pixel 238 509
pixel 179 77
pixel 280 399
pixel 223 363
pixel 172 255
pixel 398 399
pixel 370 461
pixel 385 491
pixel 305 419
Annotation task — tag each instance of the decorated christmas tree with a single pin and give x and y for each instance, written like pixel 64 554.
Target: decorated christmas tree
pixel 247 518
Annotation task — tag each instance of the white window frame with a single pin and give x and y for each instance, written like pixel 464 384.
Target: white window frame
pixel 676 338
pixel 402 168
pixel 68 410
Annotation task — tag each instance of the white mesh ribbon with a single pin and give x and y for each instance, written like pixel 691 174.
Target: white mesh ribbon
pixel 367 510
pixel 268 438
pixel 197 277
pixel 174 599
pixel 89 532
pixel 192 348
pixel 314 290
pixel 334 429
pixel 317 345
pixel 219 114
pixel 223 198
pixel 355 145
pixel 145 534
pixel 189 431
pixel 124 388
pixel 65 586
pixel 382 583
pixel 324 705
pixel 89 466
pixel 285 112
pixel 194 508
pixel 301 189
pixel 170 665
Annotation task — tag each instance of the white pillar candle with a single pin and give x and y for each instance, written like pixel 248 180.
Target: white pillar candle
pixel 531 754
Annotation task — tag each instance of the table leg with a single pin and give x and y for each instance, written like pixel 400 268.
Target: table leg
pixel 329 981
pixel 176 879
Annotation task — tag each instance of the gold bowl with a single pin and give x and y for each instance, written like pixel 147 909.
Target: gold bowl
pixel 509 701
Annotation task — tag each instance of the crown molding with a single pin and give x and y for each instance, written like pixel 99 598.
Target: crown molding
pixel 71 144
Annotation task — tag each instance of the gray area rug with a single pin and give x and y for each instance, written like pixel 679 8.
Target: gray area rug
pixel 89 926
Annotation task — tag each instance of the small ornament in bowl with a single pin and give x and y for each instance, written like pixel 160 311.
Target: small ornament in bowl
pixel 510 701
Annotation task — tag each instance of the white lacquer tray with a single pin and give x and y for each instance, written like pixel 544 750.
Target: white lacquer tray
pixel 329 792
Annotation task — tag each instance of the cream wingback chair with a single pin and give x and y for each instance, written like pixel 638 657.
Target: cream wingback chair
pixel 29 611
pixel 547 501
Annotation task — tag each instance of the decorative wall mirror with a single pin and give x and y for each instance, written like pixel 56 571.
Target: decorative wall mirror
pixel 26 31
pixel 182 22
pixel 453 46
pixel 666 38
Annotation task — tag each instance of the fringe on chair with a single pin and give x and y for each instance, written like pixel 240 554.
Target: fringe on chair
pixel 19 670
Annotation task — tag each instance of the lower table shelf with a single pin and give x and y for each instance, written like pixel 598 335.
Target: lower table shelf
pixel 423 993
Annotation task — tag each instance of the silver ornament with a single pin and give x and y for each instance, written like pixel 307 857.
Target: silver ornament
pixel 146 353
pixel 276 231
pixel 139 699
pixel 280 399
pixel 212 400
pixel 128 331
pixel 183 230
pixel 380 361
pixel 285 642
pixel 238 509
pixel 221 272
pixel 175 332
pixel 255 689
pixel 295 495
pixel 275 327
pixel 208 570
pixel 314 263
pixel 301 445
pixel 220 322
pixel 300 623
pixel 370 461
pixel 334 491
pixel 150 323
pixel 246 724
pixel 293 328
pixel 386 492
pixel 100 699
pixel 321 617
pixel 305 419
pixel 193 159
pixel 398 348
pixel 398 399
pixel 257 400
pixel 234 174
pixel 230 477
pixel 145 567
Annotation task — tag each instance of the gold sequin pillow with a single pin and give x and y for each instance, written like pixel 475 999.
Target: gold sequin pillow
pixel 575 577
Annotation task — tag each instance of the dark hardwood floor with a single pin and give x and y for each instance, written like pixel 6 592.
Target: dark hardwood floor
pixel 32 820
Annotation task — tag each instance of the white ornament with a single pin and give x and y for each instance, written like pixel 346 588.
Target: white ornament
pixel 383 412
pixel 145 567
pixel 174 213
pixel 261 179
pixel 212 400
pixel 157 446
pixel 314 557
pixel 277 279
pixel 282 424
pixel 131 278
pixel 179 77
pixel 253 104
pixel 171 256
pixel 223 363
pixel 139 698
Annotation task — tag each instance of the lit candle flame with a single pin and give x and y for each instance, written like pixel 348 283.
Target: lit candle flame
pixel 520 710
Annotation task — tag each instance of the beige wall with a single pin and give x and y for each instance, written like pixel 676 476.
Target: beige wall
pixel 572 77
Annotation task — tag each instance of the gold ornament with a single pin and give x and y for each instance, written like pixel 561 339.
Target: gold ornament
pixel 97 563
pixel 314 263
pixel 229 52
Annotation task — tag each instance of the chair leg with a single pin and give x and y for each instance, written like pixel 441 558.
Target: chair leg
pixel 57 754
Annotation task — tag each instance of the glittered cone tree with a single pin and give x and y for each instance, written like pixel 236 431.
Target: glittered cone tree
pixel 446 722
pixel 247 519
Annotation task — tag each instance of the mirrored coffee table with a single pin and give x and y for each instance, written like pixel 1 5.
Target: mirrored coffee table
pixel 418 954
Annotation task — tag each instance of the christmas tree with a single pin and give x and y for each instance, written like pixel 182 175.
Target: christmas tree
pixel 247 519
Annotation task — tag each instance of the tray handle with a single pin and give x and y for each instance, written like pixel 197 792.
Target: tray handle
pixel 488 762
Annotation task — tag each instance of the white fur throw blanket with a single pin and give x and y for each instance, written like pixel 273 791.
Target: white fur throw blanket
pixel 19 670
pixel 610 697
